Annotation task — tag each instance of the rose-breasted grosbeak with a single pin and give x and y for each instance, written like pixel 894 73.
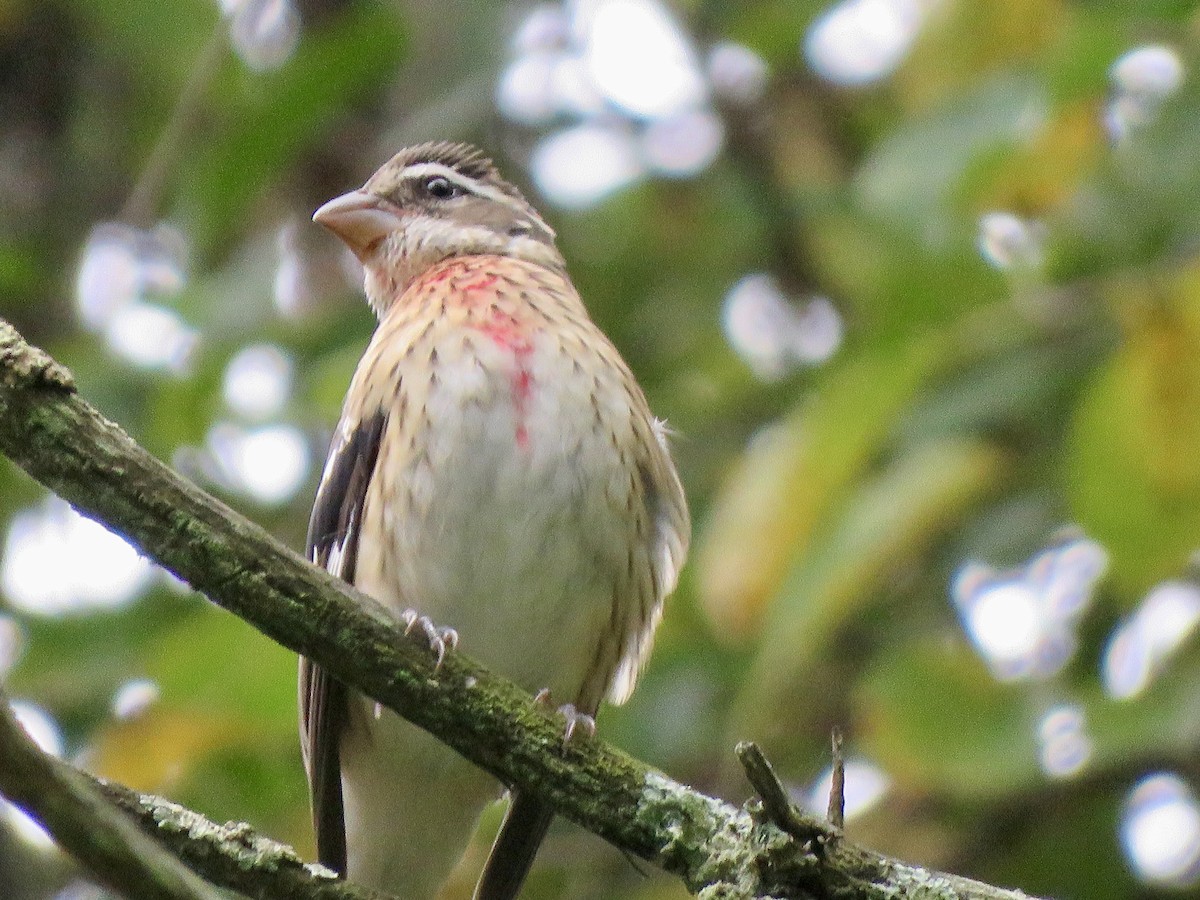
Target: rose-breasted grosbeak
pixel 497 469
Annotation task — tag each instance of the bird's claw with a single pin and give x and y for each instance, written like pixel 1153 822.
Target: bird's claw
pixel 576 722
pixel 441 640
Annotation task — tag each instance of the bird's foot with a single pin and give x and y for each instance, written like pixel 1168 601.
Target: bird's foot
pixel 576 722
pixel 441 640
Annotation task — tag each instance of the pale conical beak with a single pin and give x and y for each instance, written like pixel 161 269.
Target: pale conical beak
pixel 361 219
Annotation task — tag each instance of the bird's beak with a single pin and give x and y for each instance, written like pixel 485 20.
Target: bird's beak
pixel 361 219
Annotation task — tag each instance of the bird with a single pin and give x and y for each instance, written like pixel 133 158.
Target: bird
pixel 496 470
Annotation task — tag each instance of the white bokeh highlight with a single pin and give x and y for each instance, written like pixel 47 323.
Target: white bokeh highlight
pixel 858 42
pixel 640 58
pixel 1012 244
pixel 577 167
pixel 1024 622
pixel 865 786
pixel 526 91
pixel 109 275
pixel 268 463
pixel 774 334
pixel 1064 745
pixel 151 337
pixel 622 92
pixel 44 731
pixel 1160 831
pixel 257 383
pixel 134 698
pixel 1151 71
pixel 123 275
pixel 736 73
pixel 57 562
pixel 683 145
pixel 1143 79
pixel 1140 647
pixel 264 33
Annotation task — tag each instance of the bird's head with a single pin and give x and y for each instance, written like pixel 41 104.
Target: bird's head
pixel 429 203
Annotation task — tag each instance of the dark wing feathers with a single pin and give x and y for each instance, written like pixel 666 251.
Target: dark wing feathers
pixel 333 536
pixel 323 715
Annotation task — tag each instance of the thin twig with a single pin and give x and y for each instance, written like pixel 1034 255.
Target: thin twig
pixel 777 805
pixel 837 784
pixel 141 207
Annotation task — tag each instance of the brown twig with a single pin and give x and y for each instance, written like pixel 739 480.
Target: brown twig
pixel 837 785
pixel 777 805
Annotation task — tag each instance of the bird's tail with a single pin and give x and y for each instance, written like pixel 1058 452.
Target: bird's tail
pixel 516 845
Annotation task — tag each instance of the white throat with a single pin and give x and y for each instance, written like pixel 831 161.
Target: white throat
pixel 404 255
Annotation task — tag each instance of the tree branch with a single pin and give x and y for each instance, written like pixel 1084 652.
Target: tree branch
pixel 233 855
pixel 85 823
pixel 716 849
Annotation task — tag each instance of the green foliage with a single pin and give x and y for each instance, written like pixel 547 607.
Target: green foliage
pixel 970 412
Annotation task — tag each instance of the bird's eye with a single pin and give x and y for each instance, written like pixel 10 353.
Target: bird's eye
pixel 441 188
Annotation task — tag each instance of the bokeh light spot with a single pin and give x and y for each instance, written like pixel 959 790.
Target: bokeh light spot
pixel 856 42
pixel 683 145
pixel 1023 622
pixel 56 562
pixel 44 731
pixel 268 463
pixel 1143 79
pixel 525 91
pixel 1141 646
pixel 264 32
pixel 1160 831
pixel 133 698
pixel 640 59
pixel 151 337
pixel 1009 243
pixel 866 784
pixel 771 333
pixel 578 167
pixel 737 74
pixel 1064 747
pixel 258 381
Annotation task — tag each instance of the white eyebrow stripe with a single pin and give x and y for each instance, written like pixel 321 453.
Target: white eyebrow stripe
pixel 426 169
pixel 470 185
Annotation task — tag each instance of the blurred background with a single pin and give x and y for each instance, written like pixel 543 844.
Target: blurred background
pixel 915 282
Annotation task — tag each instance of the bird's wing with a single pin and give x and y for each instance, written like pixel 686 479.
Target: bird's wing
pixel 333 536
pixel 669 535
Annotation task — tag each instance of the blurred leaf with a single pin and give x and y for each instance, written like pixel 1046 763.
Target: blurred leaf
pixel 912 175
pixel 963 736
pixel 74 664
pixel 885 528
pixel 154 751
pixel 1134 483
pixel 1048 854
pixel 257 782
pixel 961 733
pixel 790 476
